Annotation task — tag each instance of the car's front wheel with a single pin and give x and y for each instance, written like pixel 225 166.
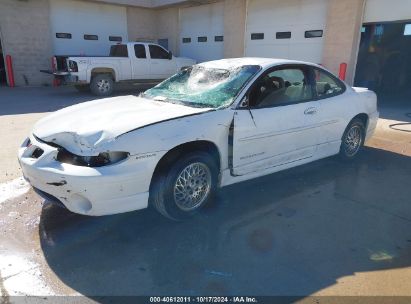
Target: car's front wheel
pixel 352 140
pixel 186 187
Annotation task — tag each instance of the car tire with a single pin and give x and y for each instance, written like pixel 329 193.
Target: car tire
pixel 352 140
pixel 179 196
pixel 102 85
pixel 82 88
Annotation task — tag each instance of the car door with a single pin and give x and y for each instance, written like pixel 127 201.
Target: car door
pixel 140 62
pixel 279 126
pixel 161 65
pixel 334 110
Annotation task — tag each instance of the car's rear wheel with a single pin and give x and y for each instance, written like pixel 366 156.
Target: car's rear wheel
pixel 186 186
pixel 352 140
pixel 102 85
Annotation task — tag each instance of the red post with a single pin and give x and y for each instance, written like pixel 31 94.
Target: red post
pixel 343 71
pixel 9 67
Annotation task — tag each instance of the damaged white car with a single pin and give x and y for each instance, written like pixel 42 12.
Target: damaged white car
pixel 208 126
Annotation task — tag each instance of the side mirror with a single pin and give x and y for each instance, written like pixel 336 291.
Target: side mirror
pixel 244 102
pixel 170 55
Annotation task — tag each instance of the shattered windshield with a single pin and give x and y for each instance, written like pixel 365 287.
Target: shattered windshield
pixel 200 86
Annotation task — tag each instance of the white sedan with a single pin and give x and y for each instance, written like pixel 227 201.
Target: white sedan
pixel 209 126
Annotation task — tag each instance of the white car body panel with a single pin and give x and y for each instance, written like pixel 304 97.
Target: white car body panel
pixel 250 143
pixel 92 125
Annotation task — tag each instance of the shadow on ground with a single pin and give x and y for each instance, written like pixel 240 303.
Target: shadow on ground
pixel 292 233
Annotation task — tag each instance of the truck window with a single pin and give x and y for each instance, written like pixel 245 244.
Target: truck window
pixel 118 50
pixel 157 52
pixel 140 50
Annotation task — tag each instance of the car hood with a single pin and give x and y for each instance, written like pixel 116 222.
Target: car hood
pixel 87 128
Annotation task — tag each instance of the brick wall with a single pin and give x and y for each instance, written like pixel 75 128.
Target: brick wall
pixel 25 35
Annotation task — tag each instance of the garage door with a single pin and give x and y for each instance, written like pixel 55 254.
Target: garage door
pixel 202 32
pixel 286 29
pixel 80 28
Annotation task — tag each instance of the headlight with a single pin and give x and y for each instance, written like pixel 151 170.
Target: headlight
pixel 103 159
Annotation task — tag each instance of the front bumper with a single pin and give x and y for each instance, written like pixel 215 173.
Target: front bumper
pixel 117 188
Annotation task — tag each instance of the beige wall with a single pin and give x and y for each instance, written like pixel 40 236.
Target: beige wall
pixel 168 27
pixel 141 23
pixel 25 34
pixel 234 27
pixel 342 34
pixel 149 24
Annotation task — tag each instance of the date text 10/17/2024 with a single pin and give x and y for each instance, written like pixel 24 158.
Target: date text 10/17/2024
pixel 203 300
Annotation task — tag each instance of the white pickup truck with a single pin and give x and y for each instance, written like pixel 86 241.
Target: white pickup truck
pixel 139 62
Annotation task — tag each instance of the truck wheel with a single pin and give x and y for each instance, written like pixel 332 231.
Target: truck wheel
pixel 82 88
pixel 186 187
pixel 102 85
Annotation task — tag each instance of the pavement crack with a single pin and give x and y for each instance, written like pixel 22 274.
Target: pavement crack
pixel 17 273
pixel 373 207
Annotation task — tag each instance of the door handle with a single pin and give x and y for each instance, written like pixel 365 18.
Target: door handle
pixel 310 111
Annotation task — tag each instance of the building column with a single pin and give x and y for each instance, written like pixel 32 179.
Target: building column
pixel 26 37
pixel 342 35
pixel 234 27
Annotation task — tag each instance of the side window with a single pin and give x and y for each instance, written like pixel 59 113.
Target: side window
pixel 118 50
pixel 140 50
pixel 282 86
pixel 327 85
pixel 157 52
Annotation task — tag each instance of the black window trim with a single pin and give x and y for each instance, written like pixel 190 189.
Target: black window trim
pixel 277 34
pixel 186 40
pixel 90 35
pixel 219 38
pixel 305 34
pixel 333 77
pixel 115 38
pixel 64 35
pixel 307 70
pixel 257 36
pixel 202 39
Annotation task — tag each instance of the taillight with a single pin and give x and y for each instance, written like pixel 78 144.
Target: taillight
pixel 72 66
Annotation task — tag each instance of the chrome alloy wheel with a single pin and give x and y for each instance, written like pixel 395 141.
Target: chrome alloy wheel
pixel 353 140
pixel 103 85
pixel 192 186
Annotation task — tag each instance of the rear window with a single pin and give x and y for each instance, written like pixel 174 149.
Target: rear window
pixel 119 50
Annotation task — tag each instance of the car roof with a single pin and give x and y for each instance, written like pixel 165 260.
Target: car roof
pixel 239 62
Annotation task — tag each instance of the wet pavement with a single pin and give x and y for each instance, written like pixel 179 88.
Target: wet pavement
pixel 326 228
